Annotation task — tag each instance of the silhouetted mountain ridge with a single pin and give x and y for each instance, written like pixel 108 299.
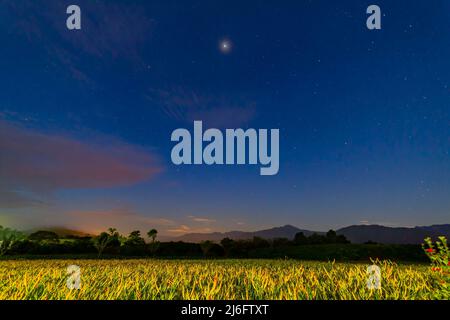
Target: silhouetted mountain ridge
pixel 397 235
pixel 354 233
pixel 286 231
pixel 60 231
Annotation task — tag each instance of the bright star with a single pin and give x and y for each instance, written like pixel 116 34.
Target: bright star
pixel 225 46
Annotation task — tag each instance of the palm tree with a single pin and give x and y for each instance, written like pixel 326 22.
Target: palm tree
pixel 154 245
pixel 112 231
pixel 152 234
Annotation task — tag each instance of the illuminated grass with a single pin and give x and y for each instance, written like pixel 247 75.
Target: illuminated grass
pixel 216 279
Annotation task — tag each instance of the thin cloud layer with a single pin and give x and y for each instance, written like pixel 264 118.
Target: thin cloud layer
pixel 35 163
pixel 201 219
pixel 110 31
pixel 183 229
pixel 215 111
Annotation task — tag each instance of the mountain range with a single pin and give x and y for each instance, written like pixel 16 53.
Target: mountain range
pixel 355 233
pixel 286 231
pixel 60 231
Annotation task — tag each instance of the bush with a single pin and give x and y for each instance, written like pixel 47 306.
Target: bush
pixel 439 255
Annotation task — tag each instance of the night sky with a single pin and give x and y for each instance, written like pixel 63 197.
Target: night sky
pixel 86 115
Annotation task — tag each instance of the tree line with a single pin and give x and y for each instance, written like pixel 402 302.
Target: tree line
pixel 111 244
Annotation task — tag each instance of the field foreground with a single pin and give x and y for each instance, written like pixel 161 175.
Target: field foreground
pixel 214 279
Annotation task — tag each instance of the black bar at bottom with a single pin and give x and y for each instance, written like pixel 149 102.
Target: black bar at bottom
pixel 263 309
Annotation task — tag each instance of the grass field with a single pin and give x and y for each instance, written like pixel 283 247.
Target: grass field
pixel 215 279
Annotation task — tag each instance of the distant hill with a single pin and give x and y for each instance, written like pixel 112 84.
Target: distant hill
pixel 286 231
pixel 382 234
pixel 61 231
pixel 356 234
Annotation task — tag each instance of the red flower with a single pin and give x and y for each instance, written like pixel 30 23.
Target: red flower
pixel 435 269
pixel 448 263
pixel 429 250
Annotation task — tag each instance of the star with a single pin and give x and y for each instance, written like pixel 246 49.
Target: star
pixel 225 46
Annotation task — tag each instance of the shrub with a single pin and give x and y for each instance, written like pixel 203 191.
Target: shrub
pixel 439 255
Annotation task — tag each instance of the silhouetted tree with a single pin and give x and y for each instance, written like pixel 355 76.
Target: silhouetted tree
pixel 259 242
pixel 316 239
pixel 206 246
pixel 216 250
pixel 152 234
pixel 101 242
pixel 105 240
pixel 153 245
pixel 331 236
pixel 281 242
pixel 300 239
pixel 342 239
pixel 227 245
pixel 135 239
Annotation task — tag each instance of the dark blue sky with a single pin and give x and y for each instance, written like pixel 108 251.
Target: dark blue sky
pixel 86 116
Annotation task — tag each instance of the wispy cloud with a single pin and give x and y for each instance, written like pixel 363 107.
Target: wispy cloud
pixel 218 111
pixel 15 199
pixel 201 219
pixel 380 223
pixel 109 31
pixel 182 229
pixel 33 163
pixel 194 224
